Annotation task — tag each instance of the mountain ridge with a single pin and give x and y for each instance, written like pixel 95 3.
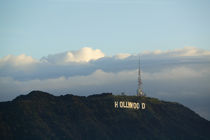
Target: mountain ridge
pixel 40 115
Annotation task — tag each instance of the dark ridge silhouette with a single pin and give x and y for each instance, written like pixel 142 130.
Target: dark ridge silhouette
pixel 42 116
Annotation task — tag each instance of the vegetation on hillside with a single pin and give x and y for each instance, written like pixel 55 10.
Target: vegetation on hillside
pixel 40 115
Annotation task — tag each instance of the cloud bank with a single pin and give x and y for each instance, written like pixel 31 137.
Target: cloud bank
pixel 186 51
pixel 180 75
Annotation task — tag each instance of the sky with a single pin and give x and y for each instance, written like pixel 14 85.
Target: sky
pixel 41 27
pixel 85 47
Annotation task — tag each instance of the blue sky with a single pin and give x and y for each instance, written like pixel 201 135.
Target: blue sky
pixel 41 27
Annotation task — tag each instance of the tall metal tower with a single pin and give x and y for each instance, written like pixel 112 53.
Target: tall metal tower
pixel 139 90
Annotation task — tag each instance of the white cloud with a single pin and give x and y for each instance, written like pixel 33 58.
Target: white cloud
pixel 85 54
pixel 122 55
pixel 17 60
pixel 186 51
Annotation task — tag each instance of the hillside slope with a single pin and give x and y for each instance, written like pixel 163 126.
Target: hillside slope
pixel 40 115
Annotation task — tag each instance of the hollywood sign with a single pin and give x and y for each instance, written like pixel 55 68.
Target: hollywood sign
pixel 129 105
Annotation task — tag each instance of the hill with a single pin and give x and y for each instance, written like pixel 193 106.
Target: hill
pixel 40 115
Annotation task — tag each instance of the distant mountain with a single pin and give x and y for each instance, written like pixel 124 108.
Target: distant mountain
pixel 42 116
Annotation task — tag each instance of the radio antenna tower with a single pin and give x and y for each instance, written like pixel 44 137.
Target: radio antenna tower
pixel 139 90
